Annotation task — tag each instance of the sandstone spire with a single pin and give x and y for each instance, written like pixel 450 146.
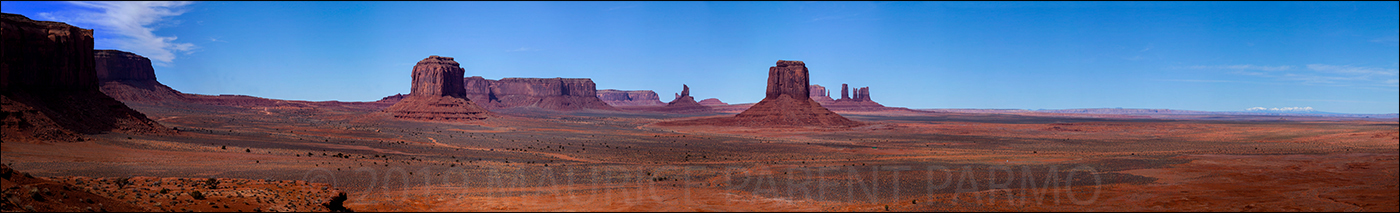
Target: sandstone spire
pixel 845 92
pixel 685 90
pixel 685 103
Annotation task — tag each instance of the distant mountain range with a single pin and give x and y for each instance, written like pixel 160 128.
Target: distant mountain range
pixel 1253 111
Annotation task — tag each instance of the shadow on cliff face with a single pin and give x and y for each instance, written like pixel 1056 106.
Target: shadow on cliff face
pixel 50 85
pixel 86 112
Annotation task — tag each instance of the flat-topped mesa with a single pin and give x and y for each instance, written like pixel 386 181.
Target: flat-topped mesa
pixel 438 94
pixel 712 102
pixel 629 97
pixel 546 93
pixel 816 90
pixel 787 78
pixel 117 65
pixel 819 94
pixel 438 76
pixel 129 77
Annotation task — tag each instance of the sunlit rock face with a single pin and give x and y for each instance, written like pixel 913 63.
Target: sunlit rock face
pixel 438 94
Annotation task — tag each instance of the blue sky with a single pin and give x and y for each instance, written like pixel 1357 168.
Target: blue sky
pixel 1213 56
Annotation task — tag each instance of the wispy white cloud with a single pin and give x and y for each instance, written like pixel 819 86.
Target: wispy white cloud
pixel 1387 40
pixel 1245 67
pixel 1350 70
pixel 1318 74
pixel 1198 81
pixel 133 23
pixel 521 49
pixel 621 7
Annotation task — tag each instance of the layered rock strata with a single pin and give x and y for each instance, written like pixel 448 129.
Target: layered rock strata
pixel 49 87
pixel 630 97
pixel 565 94
pixel 438 94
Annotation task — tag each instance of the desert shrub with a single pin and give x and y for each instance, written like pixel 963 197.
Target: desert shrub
pixel 122 182
pixel 212 183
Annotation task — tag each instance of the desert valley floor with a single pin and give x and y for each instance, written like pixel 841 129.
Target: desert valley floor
pixel 593 160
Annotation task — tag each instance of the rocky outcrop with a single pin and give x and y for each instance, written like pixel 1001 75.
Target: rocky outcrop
pixel 629 97
pixel 547 93
pixel 49 85
pixel 712 102
pixel 787 103
pixel 438 94
pixel 392 98
pixel 74 198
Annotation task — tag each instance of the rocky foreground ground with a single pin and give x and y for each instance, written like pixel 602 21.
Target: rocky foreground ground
pixel 24 192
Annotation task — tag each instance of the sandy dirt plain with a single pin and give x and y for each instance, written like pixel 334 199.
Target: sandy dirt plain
pixel 292 158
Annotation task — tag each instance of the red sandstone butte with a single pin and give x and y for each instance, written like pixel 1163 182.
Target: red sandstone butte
pixel 438 94
pixel 48 85
pixel 787 104
pixel 630 97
